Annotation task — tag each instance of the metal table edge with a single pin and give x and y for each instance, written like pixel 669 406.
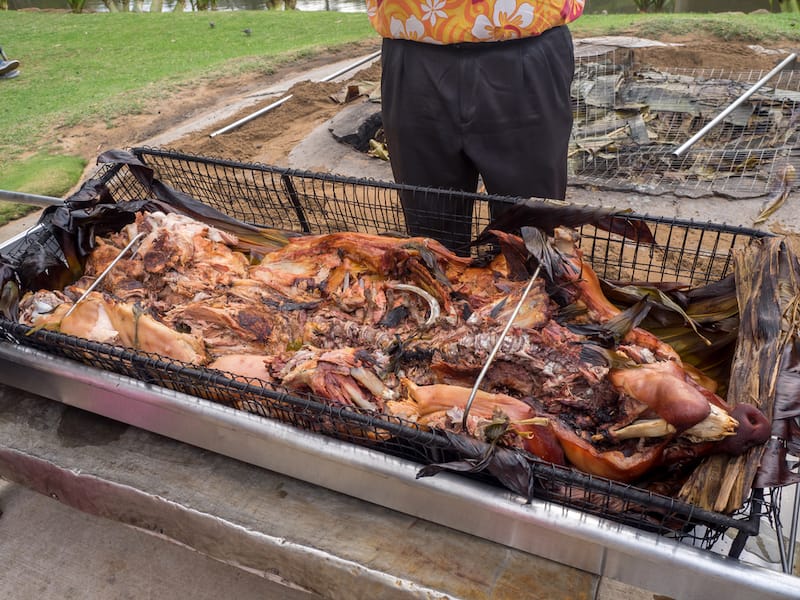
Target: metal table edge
pixel 545 529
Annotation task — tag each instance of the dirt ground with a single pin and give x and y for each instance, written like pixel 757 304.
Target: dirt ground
pixel 270 137
pixel 184 121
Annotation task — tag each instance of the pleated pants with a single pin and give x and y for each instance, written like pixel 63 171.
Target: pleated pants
pixel 452 113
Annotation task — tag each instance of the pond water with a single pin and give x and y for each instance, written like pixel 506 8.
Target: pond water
pixel 696 6
pixel 592 6
pixel 98 6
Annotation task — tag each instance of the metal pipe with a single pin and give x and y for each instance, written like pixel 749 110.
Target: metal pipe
pixel 276 104
pixel 789 567
pixel 689 143
pixel 34 199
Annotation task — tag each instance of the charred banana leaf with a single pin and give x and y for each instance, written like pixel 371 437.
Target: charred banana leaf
pixel 548 215
pixel 764 374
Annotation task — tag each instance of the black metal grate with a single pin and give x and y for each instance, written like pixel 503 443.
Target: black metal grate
pixel 319 203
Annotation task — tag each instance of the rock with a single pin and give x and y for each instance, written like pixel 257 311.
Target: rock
pixel 356 125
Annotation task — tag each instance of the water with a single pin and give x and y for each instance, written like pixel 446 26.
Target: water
pixel 308 5
pixel 592 6
pixel 697 6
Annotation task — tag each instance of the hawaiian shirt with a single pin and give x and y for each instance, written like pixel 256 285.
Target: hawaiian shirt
pixel 455 21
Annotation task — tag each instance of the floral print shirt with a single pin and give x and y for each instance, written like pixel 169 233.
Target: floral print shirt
pixel 455 21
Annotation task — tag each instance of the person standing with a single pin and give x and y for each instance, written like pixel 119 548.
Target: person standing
pixel 474 88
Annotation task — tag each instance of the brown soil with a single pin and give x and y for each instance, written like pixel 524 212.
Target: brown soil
pixel 183 119
pixel 270 137
pixel 710 54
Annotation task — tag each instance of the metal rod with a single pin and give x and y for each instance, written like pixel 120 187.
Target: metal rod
pixel 689 143
pixel 276 104
pixel 497 345
pixel 781 545
pixel 793 531
pixel 35 199
pixel 105 272
pixel 250 117
pixel 358 63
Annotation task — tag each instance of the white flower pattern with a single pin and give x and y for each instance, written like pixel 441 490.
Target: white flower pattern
pixel 432 10
pixel 508 19
pixel 412 29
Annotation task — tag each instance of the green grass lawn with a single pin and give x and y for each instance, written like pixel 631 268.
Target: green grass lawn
pixel 756 29
pixel 97 67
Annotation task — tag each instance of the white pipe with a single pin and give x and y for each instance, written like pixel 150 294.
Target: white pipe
pixel 689 143
pixel 276 104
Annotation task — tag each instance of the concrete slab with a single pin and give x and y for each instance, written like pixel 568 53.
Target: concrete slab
pixel 274 527
pixel 51 551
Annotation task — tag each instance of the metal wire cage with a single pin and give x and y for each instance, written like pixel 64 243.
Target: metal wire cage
pixel 630 119
pixel 320 203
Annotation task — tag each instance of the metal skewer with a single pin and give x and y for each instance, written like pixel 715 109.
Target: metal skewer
pixel 105 272
pixel 497 345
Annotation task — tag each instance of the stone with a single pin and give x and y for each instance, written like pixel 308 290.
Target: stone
pixel 356 125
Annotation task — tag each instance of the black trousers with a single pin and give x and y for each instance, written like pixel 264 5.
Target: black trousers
pixel 500 110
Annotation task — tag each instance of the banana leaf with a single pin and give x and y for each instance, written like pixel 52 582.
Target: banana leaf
pixel 169 199
pixel 508 466
pixel 764 373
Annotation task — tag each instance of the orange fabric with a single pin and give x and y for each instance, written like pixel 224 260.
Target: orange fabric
pixel 455 21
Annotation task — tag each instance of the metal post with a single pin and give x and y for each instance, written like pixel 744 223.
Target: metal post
pixel 34 199
pixel 789 567
pixel 276 104
pixel 688 144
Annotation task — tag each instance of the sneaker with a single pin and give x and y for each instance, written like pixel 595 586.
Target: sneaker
pixel 10 74
pixel 7 66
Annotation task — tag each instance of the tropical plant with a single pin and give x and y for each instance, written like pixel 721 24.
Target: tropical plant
pixel 76 6
pixel 652 5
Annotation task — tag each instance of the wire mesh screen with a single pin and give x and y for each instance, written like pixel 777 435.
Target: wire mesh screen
pixel 319 203
pixel 629 119
pixel 304 202
pixel 622 503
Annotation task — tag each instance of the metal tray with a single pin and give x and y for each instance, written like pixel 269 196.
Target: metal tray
pixel 568 536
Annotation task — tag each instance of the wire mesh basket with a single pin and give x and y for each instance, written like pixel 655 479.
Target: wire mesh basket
pixel 320 203
pixel 630 118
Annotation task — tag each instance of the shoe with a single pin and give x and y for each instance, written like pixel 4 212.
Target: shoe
pixel 7 66
pixel 10 74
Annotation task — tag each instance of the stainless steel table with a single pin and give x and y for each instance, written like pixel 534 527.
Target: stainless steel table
pixel 312 510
